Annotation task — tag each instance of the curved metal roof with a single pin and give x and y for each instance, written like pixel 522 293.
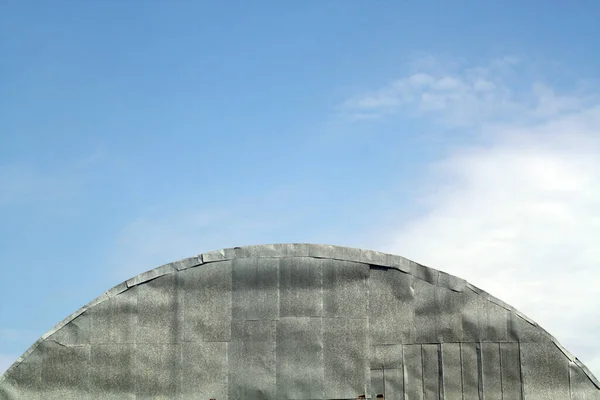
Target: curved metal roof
pixel 297 321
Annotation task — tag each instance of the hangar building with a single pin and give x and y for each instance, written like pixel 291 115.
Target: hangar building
pixel 297 321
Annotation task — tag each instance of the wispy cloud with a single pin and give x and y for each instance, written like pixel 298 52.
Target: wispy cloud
pixel 459 96
pixel 517 214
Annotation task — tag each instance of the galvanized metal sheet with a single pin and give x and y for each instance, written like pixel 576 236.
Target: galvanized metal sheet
pixel 345 290
pixel 157 370
pixel 25 381
pixel 391 308
pixel 425 312
pixel 300 364
pixel 301 322
pixel 545 372
pixel 111 372
pixel 452 371
pixel 474 317
pixel 413 372
pixel 378 383
pixel 510 359
pixel 65 371
pixel 253 364
pixel 581 386
pixel 393 383
pixel 300 287
pixel 159 311
pixel 491 372
pixel 77 332
pixel 115 320
pixel 207 303
pixel 448 321
pixel 432 373
pixel 345 357
pixel 470 370
pixel 387 362
pixel 496 323
pixel 255 289
pixel 204 370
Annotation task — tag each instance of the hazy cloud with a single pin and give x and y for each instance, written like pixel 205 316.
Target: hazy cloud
pixel 519 213
pixel 464 96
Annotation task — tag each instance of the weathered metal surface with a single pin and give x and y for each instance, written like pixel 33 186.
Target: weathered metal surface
pixel 297 321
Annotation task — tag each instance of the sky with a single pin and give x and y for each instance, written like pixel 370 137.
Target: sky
pixel 464 135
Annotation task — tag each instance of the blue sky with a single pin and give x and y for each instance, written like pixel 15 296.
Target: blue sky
pixel 461 134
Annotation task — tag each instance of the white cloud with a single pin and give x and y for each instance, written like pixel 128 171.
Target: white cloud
pixel 519 213
pixel 464 97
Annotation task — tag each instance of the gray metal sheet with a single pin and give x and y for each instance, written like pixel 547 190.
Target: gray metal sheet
pixel 496 323
pixel 545 372
pixel 296 321
pixel 159 311
pixel 491 372
pixel 300 287
pixel 451 282
pixel 345 290
pixel 74 333
pixel 204 370
pixel 112 371
pixel 157 370
pixel 391 309
pixel 431 372
pixel 394 383
pixel 377 383
pixel 425 312
pixel 255 289
pixel 386 356
pixel 207 302
pixel 346 359
pixel 521 330
pixel 470 370
pixel 474 317
pixel 510 359
pixel 413 372
pixel 65 371
pixel 114 320
pixel 582 387
pixel 25 382
pixel 448 322
pixel 252 355
pixel 451 365
pixel 300 371
pixel 389 360
pixel 424 273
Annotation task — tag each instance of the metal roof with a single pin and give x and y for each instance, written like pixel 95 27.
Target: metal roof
pixel 297 321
